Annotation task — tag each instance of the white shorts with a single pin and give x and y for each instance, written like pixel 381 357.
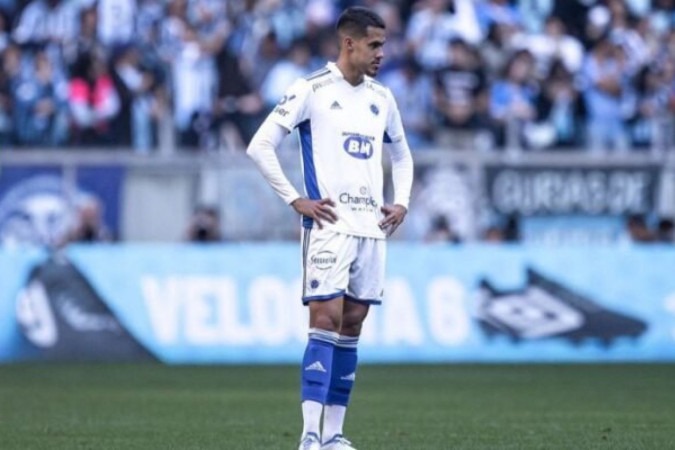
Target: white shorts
pixel 336 264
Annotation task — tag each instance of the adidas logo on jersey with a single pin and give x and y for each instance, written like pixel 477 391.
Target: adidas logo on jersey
pixel 350 377
pixel 316 365
pixel 335 105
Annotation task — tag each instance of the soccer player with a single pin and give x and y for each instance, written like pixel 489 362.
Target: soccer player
pixel 343 117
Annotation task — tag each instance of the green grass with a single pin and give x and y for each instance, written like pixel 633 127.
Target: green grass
pixel 148 407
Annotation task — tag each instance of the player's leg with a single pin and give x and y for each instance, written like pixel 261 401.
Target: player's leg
pixel 317 362
pixel 345 360
pixel 365 288
pixel 325 279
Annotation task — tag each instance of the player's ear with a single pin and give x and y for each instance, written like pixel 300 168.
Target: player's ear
pixel 349 43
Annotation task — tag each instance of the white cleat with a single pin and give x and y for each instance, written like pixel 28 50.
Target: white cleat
pixel 337 442
pixel 310 441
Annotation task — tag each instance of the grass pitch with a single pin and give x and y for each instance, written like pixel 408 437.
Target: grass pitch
pixel 149 407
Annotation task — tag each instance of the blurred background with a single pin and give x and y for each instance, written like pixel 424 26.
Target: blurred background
pixel 543 133
pixel 576 98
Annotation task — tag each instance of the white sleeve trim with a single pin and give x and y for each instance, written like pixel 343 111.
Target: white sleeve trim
pixel 262 150
pixel 401 170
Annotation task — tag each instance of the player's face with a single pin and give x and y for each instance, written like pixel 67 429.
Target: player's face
pixel 369 51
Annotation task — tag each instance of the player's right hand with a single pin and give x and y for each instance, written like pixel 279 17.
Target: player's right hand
pixel 319 210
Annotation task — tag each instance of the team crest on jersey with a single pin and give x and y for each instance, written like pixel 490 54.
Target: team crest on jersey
pixel 358 145
pixel 374 109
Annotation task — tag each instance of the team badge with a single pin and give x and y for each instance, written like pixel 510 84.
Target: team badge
pixel 374 109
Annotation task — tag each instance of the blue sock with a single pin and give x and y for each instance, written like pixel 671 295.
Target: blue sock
pixel 344 371
pixel 317 364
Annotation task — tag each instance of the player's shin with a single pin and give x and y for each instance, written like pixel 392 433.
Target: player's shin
pixel 341 384
pixel 316 375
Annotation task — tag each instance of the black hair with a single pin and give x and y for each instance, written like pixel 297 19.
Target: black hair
pixel 637 220
pixel 666 225
pixel 81 67
pixel 355 21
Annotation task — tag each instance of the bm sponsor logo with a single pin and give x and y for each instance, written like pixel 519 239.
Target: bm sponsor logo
pixel 323 260
pixel 358 145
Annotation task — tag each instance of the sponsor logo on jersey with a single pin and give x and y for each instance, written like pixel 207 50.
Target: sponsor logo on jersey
pixel 318 85
pixel 285 99
pixel 335 105
pixel 323 260
pixel 358 202
pixel 281 111
pixel 358 145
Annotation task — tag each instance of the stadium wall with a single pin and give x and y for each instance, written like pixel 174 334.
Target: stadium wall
pixel 239 303
pixel 561 197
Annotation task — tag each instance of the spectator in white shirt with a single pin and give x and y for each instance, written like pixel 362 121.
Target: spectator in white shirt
pixel 194 87
pixel 116 21
pixel 45 21
pixel 554 43
pixel 432 26
pixel 287 70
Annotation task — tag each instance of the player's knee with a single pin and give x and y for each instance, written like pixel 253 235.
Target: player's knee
pixel 326 321
pixel 326 315
pixel 351 325
pixel 352 321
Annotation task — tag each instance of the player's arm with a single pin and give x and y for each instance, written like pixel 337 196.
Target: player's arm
pixel 401 170
pixel 262 150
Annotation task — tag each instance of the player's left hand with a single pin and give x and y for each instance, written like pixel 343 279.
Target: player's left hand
pixel 393 217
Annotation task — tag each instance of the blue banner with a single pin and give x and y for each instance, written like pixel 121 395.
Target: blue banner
pixel 240 303
pixel 105 184
pixel 39 204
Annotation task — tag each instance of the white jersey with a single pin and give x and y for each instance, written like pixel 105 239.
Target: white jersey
pixel 342 129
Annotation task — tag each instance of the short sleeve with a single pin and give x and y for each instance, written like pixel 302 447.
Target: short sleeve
pixel 292 108
pixel 394 131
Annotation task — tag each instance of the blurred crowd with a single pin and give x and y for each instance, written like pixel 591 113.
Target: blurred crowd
pixel 535 74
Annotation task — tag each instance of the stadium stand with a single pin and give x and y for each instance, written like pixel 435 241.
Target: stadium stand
pixel 180 86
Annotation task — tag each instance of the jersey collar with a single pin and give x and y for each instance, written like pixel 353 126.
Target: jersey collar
pixel 335 70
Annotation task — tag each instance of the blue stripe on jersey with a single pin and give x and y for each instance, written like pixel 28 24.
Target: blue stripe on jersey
pixel 311 185
pixel 387 138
